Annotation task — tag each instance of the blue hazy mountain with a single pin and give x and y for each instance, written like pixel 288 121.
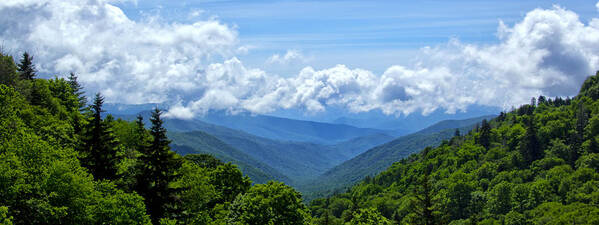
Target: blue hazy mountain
pixel 412 122
pixel 299 150
pixel 330 127
pixel 279 128
pixel 380 157
pixel 297 161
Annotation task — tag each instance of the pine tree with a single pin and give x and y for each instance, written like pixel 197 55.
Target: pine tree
pixel 530 147
pixel 158 169
pixel 423 204
pixel 485 134
pixel 142 171
pixel 26 67
pixel 542 100
pixel 100 146
pixel 582 119
pixel 77 90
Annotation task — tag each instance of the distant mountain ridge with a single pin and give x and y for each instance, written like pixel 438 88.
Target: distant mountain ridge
pixel 271 127
pixel 200 142
pixel 298 163
pixel 379 158
pixel 279 128
pixel 413 122
pixel 454 124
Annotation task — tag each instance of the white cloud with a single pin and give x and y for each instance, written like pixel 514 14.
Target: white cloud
pixel 180 112
pixel 597 6
pixel 128 61
pixel 549 52
pixel 290 57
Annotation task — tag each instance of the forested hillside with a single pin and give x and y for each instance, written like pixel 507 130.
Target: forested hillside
pixel 379 158
pixel 538 164
pixel 63 161
pixel 262 158
pixel 198 142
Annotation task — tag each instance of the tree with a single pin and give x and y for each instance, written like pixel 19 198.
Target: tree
pixel 229 182
pixel 459 195
pixel 422 204
pixel 26 67
pixel 530 148
pixel 369 217
pixel 582 120
pixel 542 100
pixel 204 160
pixel 271 203
pixel 500 198
pixel 77 90
pixel 100 145
pixel 8 70
pixel 158 167
pixel 485 134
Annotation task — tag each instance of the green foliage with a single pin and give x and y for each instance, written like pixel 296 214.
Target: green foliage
pixel 100 145
pixel 26 67
pixel 46 135
pixel 158 171
pixel 229 181
pixel 590 87
pixel 77 91
pixel 5 219
pixel 271 203
pixel 204 160
pixel 369 217
pixel 8 70
pixel 538 164
pixel 41 180
pixel 118 207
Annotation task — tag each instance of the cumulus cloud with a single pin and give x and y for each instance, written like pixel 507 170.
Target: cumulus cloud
pixel 290 57
pixel 128 61
pixel 548 52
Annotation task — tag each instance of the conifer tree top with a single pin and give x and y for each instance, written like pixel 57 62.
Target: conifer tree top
pixel 26 67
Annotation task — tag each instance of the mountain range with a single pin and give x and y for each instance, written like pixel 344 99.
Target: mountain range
pixel 318 158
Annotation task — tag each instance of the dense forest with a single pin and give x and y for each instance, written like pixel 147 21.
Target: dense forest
pixel 62 161
pixel 537 164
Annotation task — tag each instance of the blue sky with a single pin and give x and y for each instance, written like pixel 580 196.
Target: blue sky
pixel 366 34
pixel 311 57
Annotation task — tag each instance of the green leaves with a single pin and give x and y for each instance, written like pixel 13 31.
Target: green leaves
pixel 271 203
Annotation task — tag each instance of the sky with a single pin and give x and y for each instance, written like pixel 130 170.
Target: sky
pixel 396 57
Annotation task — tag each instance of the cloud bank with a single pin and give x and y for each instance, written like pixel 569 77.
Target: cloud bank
pixel 193 66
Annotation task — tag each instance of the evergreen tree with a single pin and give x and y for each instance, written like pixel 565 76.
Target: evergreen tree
pixel 542 100
pixel 582 120
pixel 530 148
pixel 423 204
pixel 77 90
pixel 100 146
pixel 26 67
pixel 142 171
pixel 485 134
pixel 158 170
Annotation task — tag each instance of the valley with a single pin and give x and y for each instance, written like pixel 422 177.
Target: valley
pixel 328 165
